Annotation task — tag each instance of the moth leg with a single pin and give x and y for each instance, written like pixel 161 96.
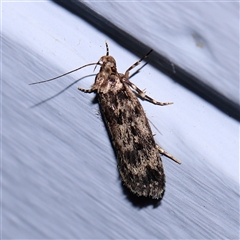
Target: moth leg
pixel 86 90
pixel 137 63
pixel 107 48
pixel 162 151
pixel 146 97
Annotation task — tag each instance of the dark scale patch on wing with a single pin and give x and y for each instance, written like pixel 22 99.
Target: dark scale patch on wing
pixel 122 96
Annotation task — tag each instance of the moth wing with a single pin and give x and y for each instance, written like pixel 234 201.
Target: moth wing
pixel 139 161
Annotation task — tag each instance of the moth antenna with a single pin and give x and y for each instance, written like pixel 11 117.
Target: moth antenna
pixel 96 66
pixel 51 79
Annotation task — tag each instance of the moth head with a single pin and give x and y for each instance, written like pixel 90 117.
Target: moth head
pixel 107 61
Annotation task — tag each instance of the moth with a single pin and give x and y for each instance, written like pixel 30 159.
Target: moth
pixel 139 162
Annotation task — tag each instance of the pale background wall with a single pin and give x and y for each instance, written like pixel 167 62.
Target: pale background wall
pixel 59 175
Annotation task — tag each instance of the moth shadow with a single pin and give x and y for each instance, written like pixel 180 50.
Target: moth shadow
pixel 140 201
pixel 95 101
pixel 137 71
pixel 62 91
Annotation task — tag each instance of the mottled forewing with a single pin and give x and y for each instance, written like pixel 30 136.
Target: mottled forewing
pixel 139 162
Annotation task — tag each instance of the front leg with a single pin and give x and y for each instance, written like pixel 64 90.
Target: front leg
pixel 86 90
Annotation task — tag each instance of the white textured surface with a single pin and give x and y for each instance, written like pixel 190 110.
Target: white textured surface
pixel 202 38
pixel 59 176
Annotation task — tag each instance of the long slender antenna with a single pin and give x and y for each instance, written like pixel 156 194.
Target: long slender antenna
pixel 51 79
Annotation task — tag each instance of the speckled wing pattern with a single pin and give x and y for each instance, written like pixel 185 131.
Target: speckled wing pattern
pixel 139 161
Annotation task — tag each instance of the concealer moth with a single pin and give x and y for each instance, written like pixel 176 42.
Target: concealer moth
pixel 138 156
